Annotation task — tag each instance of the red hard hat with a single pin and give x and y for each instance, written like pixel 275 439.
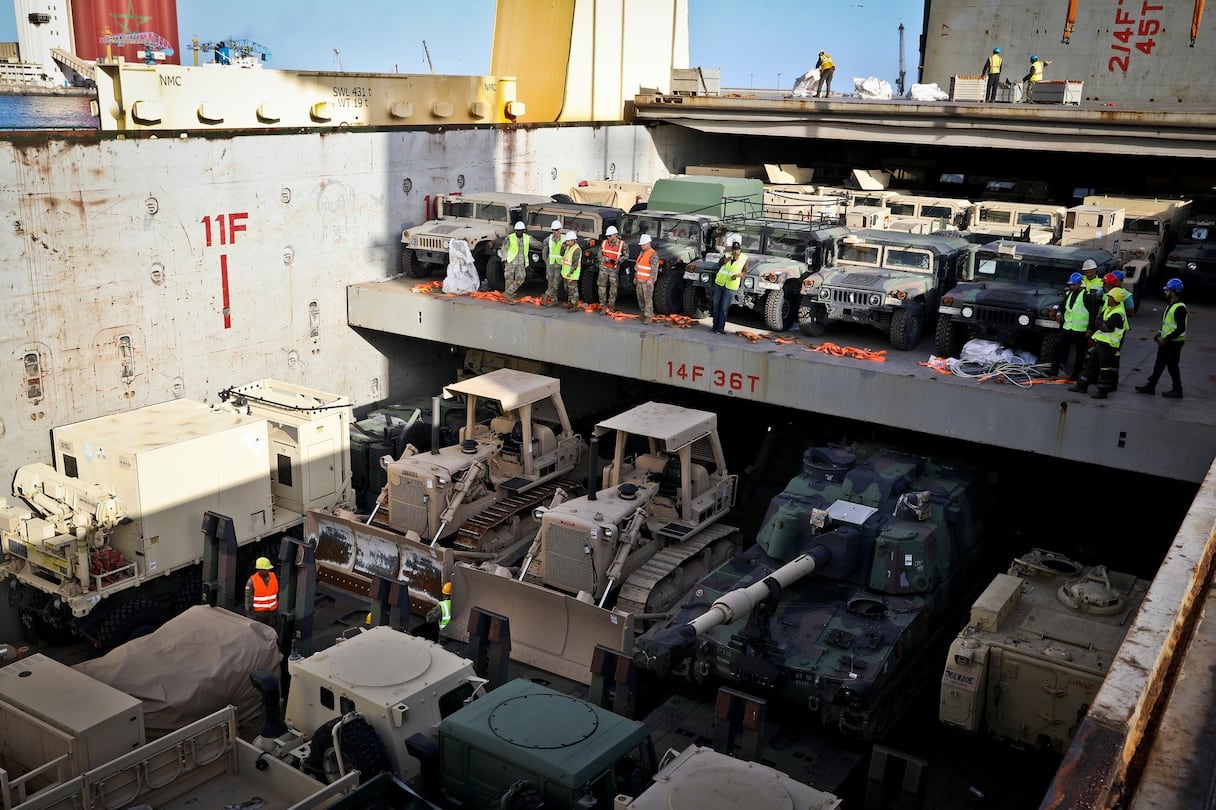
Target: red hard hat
pixel 1111 280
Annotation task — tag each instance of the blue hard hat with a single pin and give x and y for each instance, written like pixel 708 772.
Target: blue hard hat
pixel 1174 284
pixel 996 50
pixel 1034 58
pixel 1075 278
pixel 1119 275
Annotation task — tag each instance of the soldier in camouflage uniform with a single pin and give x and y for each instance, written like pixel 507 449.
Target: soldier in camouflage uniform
pixel 572 266
pixel 515 254
pixel 610 260
pixel 552 249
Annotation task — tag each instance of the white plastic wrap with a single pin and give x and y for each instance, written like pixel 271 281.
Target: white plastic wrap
pixel 462 274
pixel 872 87
pixel 806 84
pixel 927 92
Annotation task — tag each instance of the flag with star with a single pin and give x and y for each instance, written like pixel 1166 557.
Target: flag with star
pixel 93 19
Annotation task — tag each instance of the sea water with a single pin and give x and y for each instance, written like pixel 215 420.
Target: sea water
pixel 46 112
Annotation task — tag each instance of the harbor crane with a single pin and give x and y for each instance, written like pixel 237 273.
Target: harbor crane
pixel 153 46
pixel 233 51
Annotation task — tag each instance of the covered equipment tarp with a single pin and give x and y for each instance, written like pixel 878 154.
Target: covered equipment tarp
pixel 194 665
pixel 462 273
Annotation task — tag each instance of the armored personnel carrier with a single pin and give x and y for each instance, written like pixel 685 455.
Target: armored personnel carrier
pixel 838 606
pixel 1037 648
pixel 632 548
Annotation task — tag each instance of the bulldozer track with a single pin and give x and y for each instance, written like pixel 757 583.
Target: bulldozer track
pixel 636 591
pixel 469 536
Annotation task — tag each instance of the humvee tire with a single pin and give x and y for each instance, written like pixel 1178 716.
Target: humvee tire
pixel 411 266
pixel 669 292
pixel 811 320
pixel 695 305
pixel 780 310
pixel 949 337
pixel 907 324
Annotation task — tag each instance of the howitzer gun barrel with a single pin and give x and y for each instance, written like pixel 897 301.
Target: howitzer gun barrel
pixel 736 604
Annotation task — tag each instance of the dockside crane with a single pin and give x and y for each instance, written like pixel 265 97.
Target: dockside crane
pixel 899 82
pixel 154 46
pixel 232 51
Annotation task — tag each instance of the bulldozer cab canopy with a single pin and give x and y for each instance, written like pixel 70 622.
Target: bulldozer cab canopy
pixel 671 425
pixel 511 388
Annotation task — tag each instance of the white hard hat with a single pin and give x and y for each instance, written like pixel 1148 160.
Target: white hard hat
pixel 1089 264
pixel 644 239
pixel 570 236
pixel 557 225
pixel 519 226
pixel 612 231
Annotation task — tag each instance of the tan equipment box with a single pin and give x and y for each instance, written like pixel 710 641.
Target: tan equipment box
pixel 49 710
pixel 967 88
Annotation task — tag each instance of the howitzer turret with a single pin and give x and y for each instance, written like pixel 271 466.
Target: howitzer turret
pixel 854 573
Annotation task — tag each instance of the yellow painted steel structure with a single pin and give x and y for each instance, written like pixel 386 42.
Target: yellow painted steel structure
pixel 135 97
pixel 583 60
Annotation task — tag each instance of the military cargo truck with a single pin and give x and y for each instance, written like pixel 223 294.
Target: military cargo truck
pixel 1150 230
pixel 482 219
pixel 889 280
pixel 682 217
pixel 781 254
pixel 1014 296
pixel 1036 650
pixel 107 542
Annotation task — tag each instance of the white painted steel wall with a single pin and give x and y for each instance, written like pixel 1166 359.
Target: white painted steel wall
pixel 114 256
pixel 1123 50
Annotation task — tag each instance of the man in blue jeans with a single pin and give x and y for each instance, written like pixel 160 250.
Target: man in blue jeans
pixel 730 274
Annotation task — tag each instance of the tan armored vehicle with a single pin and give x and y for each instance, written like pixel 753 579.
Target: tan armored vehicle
pixel 1039 644
pixel 1038 223
pixel 699 778
pixel 631 548
pixel 1150 229
pixel 482 220
pixel 1093 226
pixel 112 531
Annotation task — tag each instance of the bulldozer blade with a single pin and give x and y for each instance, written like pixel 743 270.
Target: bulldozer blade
pixel 549 630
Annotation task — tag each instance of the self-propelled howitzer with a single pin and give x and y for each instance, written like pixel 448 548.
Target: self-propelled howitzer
pixel 858 566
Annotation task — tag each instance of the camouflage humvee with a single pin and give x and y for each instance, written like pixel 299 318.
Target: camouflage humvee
pixel 482 219
pixel 677 239
pixel 891 280
pixel 781 253
pixel 1013 297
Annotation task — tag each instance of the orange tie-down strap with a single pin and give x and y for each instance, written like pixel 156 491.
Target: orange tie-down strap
pixel 835 350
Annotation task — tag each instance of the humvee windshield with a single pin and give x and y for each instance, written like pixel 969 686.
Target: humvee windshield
pixel 916 261
pixel 787 246
pixel 670 228
pixel 540 220
pixel 903 209
pixel 859 254
pixel 1199 233
pixel 1008 268
pixel 995 216
pixel 1149 225
pixel 876 202
pixel 1034 218
pixel 471 209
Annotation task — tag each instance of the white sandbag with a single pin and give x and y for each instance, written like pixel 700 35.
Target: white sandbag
pixel 462 273
pixel 872 87
pixel 927 92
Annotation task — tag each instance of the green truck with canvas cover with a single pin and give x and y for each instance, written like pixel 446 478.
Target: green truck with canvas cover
pixel 845 603
pixel 682 217
pixel 890 280
pixel 482 219
pixel 1036 650
pixel 1017 289
pixel 781 254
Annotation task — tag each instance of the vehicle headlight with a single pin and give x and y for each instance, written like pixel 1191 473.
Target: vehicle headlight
pixel 1192 265
pixel 875 300
pixel 948 300
pixel 539 512
pixel 1023 320
pixel 769 277
pixel 968 312
pixel 900 294
pixel 405 234
pixel 705 278
pixel 749 283
pixel 825 293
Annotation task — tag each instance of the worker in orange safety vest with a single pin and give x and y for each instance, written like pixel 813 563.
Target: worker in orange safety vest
pixel 262 593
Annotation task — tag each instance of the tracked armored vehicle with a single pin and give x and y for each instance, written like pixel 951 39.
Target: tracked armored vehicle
pixel 475 497
pixel 1036 650
pixel 632 548
pixel 843 605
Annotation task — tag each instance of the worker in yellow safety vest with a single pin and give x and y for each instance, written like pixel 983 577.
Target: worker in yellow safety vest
pixel 262 593
pixel 726 282
pixel 644 271
pixel 1102 364
pixel 518 248
pixel 992 71
pixel 552 249
pixel 826 68
pixel 572 267
pixel 1170 340
pixel 439 616
pixel 1034 76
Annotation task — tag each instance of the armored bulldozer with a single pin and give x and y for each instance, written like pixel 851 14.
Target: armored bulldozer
pixel 840 605
pixel 1036 650
pixel 632 548
pixel 475 497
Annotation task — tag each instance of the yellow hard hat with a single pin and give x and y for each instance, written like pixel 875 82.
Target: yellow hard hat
pixel 447 589
pixel 263 564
